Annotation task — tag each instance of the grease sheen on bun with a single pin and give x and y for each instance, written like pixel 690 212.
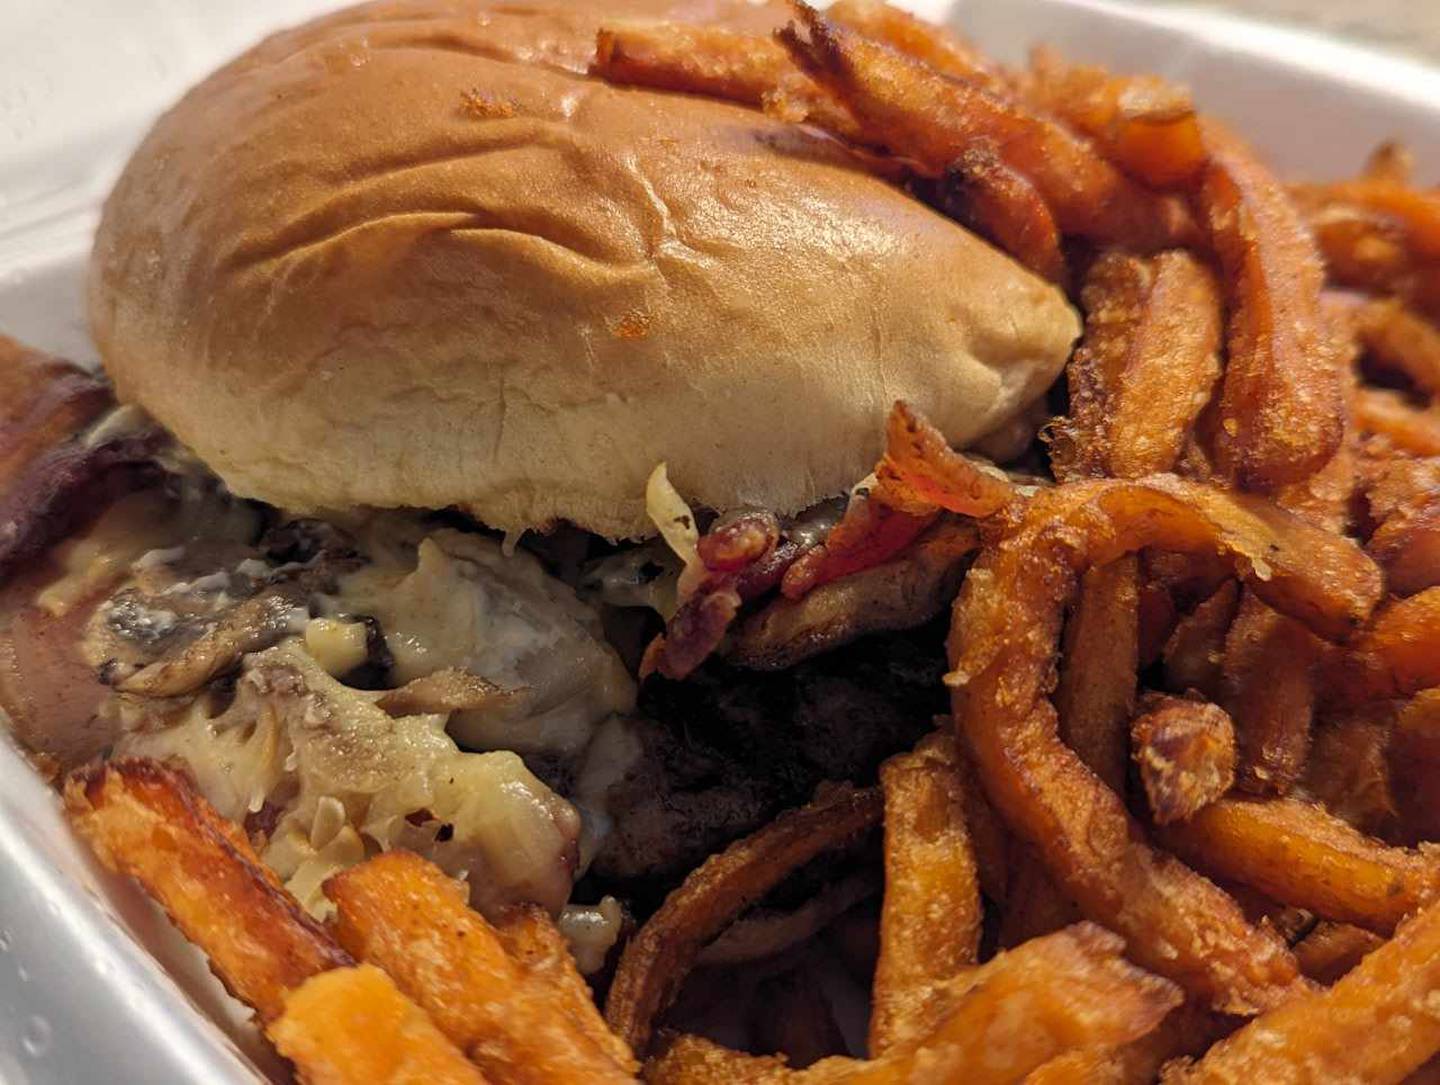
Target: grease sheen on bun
pixel 410 255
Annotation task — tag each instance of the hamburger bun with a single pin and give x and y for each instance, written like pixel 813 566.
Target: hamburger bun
pixel 412 255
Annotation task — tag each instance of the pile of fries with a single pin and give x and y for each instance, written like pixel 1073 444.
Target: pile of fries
pixel 1176 824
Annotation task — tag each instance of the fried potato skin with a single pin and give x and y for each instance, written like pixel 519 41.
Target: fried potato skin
pixel 657 959
pixel 1185 751
pixel 931 915
pixel 407 916
pixel 1377 1024
pixel 1280 403
pixel 145 820
pixel 1298 852
pixel 352 1026
pixel 917 113
pixel 1005 626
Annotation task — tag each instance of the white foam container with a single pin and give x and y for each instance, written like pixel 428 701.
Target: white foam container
pixel 94 986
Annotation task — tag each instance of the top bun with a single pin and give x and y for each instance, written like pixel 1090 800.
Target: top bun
pixel 411 255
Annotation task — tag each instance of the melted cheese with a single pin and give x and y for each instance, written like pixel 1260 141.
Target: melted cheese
pixel 458 601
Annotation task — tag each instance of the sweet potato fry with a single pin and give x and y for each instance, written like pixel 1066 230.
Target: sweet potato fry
pixel 351 1026
pixel 1408 548
pixel 1297 852
pixel 1000 203
pixel 1397 655
pixel 1143 124
pixel 657 959
pixel 934 45
pixel 1414 762
pixel 1402 341
pixel 1280 405
pixel 931 916
pixel 1185 751
pixel 1390 161
pixel 1143 371
pixel 1186 1030
pixel 1006 623
pixel 1412 430
pixel 410 918
pixel 917 113
pixel 1348 770
pixel 1194 652
pixel 530 936
pixel 1071 989
pixel 744 68
pixel 1332 949
pixel 1267 685
pixel 1377 1024
pixel 146 821
pixel 1034 904
pixel 1415 210
pixel 1096 694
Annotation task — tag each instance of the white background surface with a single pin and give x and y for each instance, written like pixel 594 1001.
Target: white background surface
pixel 80 79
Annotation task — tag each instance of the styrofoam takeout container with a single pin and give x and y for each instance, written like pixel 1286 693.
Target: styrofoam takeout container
pixel 94 986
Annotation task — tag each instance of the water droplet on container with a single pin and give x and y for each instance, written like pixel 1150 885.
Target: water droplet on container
pixel 35 1040
pixel 23 973
pixel 4 941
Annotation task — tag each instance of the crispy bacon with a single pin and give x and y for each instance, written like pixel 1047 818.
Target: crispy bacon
pixel 49 475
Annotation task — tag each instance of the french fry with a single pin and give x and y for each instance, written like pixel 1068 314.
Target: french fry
pixel 917 113
pixel 1414 761
pixel 1006 623
pixel 351 1026
pixel 1096 694
pixel 1071 989
pixel 1143 124
pixel 530 936
pixel 1396 656
pixel 1402 341
pixel 1297 852
pixel 998 202
pixel 1280 404
pixel 926 42
pixel 1185 751
pixel 744 68
pixel 657 959
pixel 931 916
pixel 146 821
pixel 1332 949
pixel 1193 654
pixel 1377 1024
pixel 410 918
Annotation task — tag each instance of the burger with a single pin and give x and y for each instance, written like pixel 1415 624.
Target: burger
pixel 462 417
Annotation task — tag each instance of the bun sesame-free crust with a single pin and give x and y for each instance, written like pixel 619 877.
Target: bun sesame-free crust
pixel 411 255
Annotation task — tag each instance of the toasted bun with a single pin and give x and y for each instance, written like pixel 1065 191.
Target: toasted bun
pixel 411 255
